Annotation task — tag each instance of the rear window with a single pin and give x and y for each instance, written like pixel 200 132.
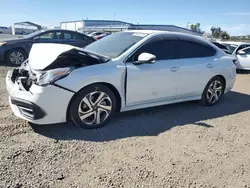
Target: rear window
pixel 188 49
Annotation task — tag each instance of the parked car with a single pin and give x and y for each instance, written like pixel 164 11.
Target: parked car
pixel 241 51
pixel 95 35
pixel 101 36
pixel 121 72
pixel 15 51
pixel 223 47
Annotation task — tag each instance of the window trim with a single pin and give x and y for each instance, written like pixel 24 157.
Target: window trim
pixel 46 32
pixel 176 38
pixel 247 48
pixel 65 32
pixel 198 43
pixel 160 37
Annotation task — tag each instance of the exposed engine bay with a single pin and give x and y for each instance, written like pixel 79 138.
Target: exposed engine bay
pixel 25 76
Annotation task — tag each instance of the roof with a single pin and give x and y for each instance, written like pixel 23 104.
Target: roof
pixel 162 32
pixel 163 27
pixel 146 31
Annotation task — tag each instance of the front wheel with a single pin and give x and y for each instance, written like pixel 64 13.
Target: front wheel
pixel 93 106
pixel 213 91
pixel 16 57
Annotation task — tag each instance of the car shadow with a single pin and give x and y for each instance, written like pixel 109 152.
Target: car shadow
pixel 150 121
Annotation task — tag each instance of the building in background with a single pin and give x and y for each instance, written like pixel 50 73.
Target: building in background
pixel 115 25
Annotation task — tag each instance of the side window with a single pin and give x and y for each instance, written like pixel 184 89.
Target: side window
pixel 46 36
pixel 162 49
pixel 76 36
pixel 241 47
pixel 59 36
pixel 50 36
pixel 247 51
pixel 188 49
pixel 67 36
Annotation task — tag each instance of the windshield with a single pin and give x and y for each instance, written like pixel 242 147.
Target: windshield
pixel 115 44
pixel 231 47
pixel 33 34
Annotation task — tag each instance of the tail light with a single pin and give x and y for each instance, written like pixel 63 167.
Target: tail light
pixel 235 61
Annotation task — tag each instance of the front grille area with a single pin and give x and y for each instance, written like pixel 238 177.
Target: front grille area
pixel 26 112
pixel 28 109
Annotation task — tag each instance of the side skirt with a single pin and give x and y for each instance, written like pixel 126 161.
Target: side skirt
pixel 159 103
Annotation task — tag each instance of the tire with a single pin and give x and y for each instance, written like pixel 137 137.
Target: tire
pixel 16 57
pixel 212 94
pixel 86 107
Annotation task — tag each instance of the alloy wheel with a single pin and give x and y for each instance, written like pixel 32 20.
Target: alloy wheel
pixel 95 108
pixel 16 57
pixel 214 91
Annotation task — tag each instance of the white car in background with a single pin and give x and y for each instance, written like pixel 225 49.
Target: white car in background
pixel 123 71
pixel 242 51
pixel 95 34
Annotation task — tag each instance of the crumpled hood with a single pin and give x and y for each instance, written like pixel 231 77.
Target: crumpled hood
pixel 42 55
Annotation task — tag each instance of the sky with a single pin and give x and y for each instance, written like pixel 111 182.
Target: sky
pixel 231 16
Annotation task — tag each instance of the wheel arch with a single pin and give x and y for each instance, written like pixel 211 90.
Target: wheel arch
pixel 110 86
pixel 15 48
pixel 223 79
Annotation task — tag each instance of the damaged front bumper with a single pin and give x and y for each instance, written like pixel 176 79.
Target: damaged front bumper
pixel 37 104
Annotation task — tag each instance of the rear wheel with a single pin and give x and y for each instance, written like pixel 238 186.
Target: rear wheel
pixel 16 57
pixel 93 106
pixel 213 91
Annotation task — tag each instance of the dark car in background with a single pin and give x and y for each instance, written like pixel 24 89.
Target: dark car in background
pixel 15 51
pixel 223 47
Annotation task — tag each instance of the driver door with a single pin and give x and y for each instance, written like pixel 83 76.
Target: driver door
pixel 153 82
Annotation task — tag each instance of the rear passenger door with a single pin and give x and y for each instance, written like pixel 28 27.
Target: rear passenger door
pixel 76 39
pixel 196 63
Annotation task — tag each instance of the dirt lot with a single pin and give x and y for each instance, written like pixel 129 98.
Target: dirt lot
pixel 181 145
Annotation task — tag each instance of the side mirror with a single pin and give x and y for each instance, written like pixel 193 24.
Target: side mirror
pixel 146 58
pixel 241 52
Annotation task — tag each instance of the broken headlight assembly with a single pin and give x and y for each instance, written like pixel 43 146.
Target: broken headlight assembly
pixel 52 76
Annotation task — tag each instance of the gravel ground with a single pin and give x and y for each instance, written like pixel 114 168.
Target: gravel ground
pixel 180 145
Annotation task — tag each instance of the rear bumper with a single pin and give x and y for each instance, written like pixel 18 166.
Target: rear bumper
pixel 39 105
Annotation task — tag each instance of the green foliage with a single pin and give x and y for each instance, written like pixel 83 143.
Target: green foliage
pixel 195 27
pixel 224 35
pixel 218 33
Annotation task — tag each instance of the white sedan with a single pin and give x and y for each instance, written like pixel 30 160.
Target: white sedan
pixel 241 51
pixel 124 71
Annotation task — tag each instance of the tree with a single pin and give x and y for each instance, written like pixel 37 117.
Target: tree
pixel 216 32
pixel 195 27
pixel 224 35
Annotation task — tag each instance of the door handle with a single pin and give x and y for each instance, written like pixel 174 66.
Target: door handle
pixel 174 69
pixel 210 65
